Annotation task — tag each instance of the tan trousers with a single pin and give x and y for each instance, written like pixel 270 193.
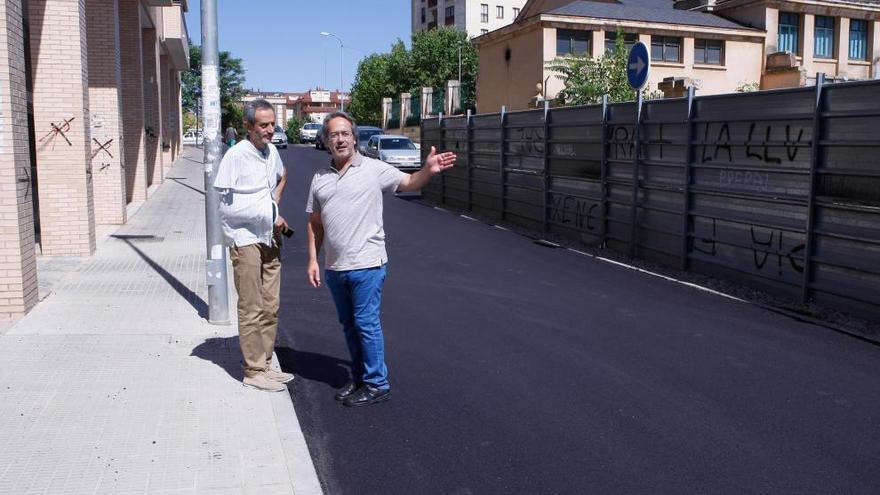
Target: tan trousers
pixel 257 272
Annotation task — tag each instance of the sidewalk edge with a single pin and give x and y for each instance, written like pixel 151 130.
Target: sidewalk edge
pixel 296 453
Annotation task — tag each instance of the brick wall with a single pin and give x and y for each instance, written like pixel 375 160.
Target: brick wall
pixel 105 78
pixel 18 267
pixel 132 91
pixel 152 123
pixel 60 81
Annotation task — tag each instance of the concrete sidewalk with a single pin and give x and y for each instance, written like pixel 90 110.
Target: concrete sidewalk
pixel 115 383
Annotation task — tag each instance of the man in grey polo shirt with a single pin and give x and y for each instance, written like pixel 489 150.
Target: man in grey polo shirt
pixel 345 217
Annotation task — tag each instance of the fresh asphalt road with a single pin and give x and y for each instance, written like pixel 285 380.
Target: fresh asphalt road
pixel 517 368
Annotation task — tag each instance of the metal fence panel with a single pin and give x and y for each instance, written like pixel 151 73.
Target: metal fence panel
pixel 779 190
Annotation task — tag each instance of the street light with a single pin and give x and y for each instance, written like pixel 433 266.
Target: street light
pixel 459 62
pixel 341 69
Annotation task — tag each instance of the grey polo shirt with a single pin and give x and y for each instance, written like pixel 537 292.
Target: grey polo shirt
pixel 350 206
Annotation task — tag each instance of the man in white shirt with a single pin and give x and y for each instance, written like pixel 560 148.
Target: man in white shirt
pixel 345 217
pixel 251 178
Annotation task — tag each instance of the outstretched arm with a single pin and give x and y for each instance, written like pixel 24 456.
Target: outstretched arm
pixel 434 164
pixel 315 235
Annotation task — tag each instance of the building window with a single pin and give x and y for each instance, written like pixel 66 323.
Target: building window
pixel 515 12
pixel 423 15
pixel 709 52
pixel 824 36
pixel 499 12
pixel 484 31
pixel 629 39
pixel 571 42
pixel 450 15
pixel 484 12
pixel 789 24
pixel 665 49
pixel 858 39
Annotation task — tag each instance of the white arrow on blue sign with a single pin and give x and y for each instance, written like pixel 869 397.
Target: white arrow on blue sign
pixel 638 65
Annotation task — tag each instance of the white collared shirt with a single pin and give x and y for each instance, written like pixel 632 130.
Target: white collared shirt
pixel 247 178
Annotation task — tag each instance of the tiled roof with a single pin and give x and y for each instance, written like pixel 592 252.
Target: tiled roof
pixel 660 11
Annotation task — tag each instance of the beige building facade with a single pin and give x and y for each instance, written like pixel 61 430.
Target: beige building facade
pixel 89 120
pixel 474 17
pixel 717 48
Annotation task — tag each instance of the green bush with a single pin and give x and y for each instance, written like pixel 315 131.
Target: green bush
pixel 293 127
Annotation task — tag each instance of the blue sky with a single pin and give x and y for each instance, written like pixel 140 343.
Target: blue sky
pixel 280 42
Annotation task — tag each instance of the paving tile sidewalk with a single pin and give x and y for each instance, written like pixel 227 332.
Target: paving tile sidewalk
pixel 115 383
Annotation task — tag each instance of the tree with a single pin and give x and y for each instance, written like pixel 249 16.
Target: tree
pixel 231 85
pixel 587 79
pixel 431 62
pixel 371 84
pixel 434 60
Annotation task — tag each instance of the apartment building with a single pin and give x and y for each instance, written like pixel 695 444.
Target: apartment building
pixel 312 105
pixel 474 17
pixel 716 46
pixel 89 119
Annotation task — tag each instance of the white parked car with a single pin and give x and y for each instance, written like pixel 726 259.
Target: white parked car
pixel 191 137
pixel 308 132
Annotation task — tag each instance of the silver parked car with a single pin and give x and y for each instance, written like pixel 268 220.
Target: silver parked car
pixel 364 135
pixel 395 150
pixel 279 139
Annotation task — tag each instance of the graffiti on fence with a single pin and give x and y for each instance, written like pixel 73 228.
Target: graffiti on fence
pixel 706 243
pixel 527 140
pixel 576 212
pixel 562 149
pixel 621 143
pixel 755 180
pixel 658 142
pixel 766 244
pixel 762 249
pixel 717 143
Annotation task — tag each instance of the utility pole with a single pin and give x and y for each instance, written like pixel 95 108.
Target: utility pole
pixel 215 264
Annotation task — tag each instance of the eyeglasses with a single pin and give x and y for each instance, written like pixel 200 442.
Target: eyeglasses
pixel 340 134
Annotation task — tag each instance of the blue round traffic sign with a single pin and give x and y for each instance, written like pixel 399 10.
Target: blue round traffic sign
pixel 638 65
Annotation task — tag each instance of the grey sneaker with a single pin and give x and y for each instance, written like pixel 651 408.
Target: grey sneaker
pixel 262 382
pixel 279 376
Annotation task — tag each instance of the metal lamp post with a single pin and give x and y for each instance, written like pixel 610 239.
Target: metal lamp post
pixel 341 69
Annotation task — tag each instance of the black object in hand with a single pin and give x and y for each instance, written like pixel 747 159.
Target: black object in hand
pixel 288 232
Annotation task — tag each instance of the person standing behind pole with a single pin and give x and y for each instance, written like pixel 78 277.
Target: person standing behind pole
pixel 231 134
pixel 251 178
pixel 345 216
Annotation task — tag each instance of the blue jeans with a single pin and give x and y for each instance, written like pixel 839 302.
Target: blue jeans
pixel 358 296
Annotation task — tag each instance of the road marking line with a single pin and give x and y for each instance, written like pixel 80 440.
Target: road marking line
pixel 469 218
pixel 664 277
pixel 499 227
pixel 439 209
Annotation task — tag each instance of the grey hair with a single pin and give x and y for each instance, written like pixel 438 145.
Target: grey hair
pixel 251 107
pixel 354 127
